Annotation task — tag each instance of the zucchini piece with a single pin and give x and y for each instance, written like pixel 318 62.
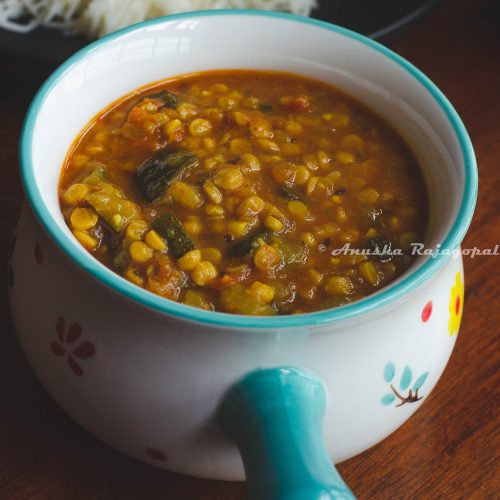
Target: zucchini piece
pixel 196 298
pixel 179 242
pixel 115 210
pixel 158 171
pixel 96 176
pixel 247 245
pixel 170 100
pixel 292 252
pixel 235 299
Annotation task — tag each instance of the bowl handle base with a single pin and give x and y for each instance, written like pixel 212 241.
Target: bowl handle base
pixel 275 417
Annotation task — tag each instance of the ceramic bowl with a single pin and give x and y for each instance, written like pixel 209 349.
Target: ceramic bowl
pixel 177 387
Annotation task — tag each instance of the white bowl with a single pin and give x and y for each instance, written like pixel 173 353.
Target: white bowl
pixel 152 372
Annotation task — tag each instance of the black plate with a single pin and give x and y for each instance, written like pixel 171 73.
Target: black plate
pixel 375 18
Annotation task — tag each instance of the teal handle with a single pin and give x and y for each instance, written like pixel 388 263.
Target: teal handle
pixel 275 417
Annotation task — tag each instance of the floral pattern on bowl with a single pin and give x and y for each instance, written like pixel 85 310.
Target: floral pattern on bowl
pixel 63 346
pixel 455 305
pixel 404 383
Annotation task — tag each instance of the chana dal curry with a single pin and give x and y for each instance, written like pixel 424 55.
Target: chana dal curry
pixel 234 191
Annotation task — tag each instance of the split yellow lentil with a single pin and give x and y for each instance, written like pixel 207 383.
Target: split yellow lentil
pixel 237 191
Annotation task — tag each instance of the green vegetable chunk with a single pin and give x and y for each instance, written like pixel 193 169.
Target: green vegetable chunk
pixel 171 229
pixel 380 249
pixel 157 172
pixel 110 203
pixel 196 298
pixel 284 297
pixel 292 252
pixel 248 244
pixel 170 100
pixel 289 194
pixel 266 108
pixel 96 176
pixel 235 299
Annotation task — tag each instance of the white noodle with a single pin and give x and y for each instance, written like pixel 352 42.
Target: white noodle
pixel 99 17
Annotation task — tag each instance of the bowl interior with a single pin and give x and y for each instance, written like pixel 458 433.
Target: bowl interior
pixel 182 44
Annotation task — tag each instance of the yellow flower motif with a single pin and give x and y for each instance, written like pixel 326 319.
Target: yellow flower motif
pixel 456 305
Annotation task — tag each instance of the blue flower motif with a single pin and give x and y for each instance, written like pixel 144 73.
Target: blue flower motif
pixel 387 399
pixel 389 372
pixel 404 383
pixel 420 381
pixel 405 378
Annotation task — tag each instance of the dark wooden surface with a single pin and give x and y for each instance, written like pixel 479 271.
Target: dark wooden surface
pixel 449 449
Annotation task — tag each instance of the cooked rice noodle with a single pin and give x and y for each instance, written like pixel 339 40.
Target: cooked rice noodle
pixel 99 17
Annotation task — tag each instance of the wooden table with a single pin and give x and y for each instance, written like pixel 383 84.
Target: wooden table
pixel 449 449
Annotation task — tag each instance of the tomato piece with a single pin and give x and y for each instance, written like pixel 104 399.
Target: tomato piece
pixel 298 105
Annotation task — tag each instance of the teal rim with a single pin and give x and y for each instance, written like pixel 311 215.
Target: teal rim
pixel 145 298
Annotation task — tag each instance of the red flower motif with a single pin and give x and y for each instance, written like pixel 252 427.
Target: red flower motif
pixel 426 313
pixel 38 253
pixel 156 454
pixel 63 346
